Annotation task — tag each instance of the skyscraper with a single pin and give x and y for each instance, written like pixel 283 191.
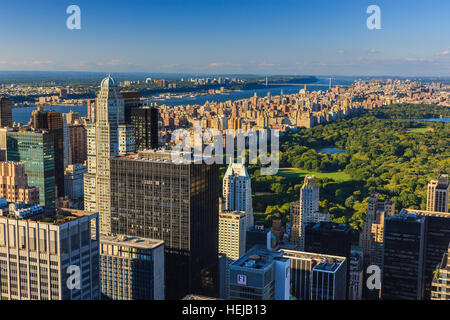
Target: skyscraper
pixel 52 121
pixel 5 112
pixel 330 238
pixel 78 143
pixel 403 257
pixel 145 122
pixel 237 191
pixel 371 236
pixel 414 245
pixel 131 99
pixel 40 252
pixel 35 148
pixel 103 143
pixel 232 234
pixel 131 268
pixel 153 197
pixel 438 193
pixel 306 211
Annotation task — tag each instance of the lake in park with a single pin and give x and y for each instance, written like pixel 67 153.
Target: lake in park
pixel 331 150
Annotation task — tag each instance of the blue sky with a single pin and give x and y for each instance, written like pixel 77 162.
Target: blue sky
pixel 228 36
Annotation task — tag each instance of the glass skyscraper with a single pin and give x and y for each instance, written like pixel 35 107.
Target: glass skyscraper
pixel 35 148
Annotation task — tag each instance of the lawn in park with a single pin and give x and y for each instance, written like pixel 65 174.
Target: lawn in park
pixel 419 130
pixel 300 173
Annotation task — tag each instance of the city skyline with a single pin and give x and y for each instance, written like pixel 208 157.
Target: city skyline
pixel 264 37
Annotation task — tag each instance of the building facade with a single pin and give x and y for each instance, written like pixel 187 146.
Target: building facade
pixel 103 143
pixel 145 123
pixel 371 236
pixel 5 112
pixel 14 184
pixel 237 191
pixel 414 245
pixel 438 194
pixel 36 150
pixel 78 143
pixel 52 122
pixel 131 268
pixel 441 281
pixel 306 211
pixel 74 181
pixel 316 276
pixel 355 281
pixel 50 256
pixel 260 275
pixel 153 197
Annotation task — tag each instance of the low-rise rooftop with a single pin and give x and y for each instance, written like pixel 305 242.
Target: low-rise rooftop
pixel 128 241
pixel 52 216
pixel 258 258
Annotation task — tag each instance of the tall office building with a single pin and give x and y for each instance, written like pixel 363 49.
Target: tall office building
pixel 371 236
pixel 330 238
pixel 153 197
pixel 440 289
pixel 145 122
pixel 78 143
pixel 316 276
pixel 104 142
pixel 35 148
pixel 438 193
pixel 237 191
pixel 41 253
pixel 306 211
pixel 131 268
pixel 232 234
pixel 414 243
pixel 52 121
pixel 403 257
pixel 131 99
pixel 5 112
pixel 260 275
pixel 14 184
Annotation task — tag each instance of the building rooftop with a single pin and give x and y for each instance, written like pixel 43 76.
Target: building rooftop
pixel 327 266
pixel 237 169
pixel 163 156
pixel 108 82
pixel 198 297
pixel 135 242
pixel 331 226
pixel 52 216
pixel 258 258
pixel 322 258
pixel 409 213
